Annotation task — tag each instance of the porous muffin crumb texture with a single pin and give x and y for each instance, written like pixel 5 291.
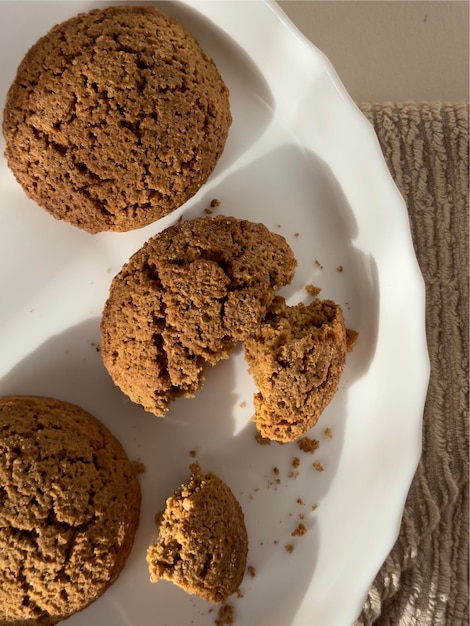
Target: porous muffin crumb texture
pixel 115 118
pixel 184 300
pixel 296 357
pixel 70 505
pixel 202 542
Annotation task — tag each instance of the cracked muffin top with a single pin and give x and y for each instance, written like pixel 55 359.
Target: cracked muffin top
pixel 184 300
pixel 115 118
pixel 69 509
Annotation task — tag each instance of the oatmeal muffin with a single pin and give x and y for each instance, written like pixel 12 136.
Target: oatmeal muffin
pixel 184 300
pixel 202 541
pixel 296 357
pixel 70 505
pixel 115 118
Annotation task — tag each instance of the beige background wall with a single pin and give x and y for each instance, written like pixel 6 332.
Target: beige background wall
pixel 391 49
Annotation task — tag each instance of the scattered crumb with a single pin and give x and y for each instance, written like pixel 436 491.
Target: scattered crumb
pixel 239 593
pixel 296 234
pixel 140 468
pixel 276 541
pixel 180 219
pixel 225 615
pixel 276 470
pixel 295 461
pixel 318 264
pixel 242 405
pixel 306 444
pixel 215 202
pixel 329 432
pixel 192 453
pixel 312 290
pixel 339 268
pixel 301 516
pixel 263 441
pixel 318 466
pixel 299 531
pixel 289 548
pixel 279 225
pixel 314 507
pixel 293 474
pixel 251 571
pixel 300 501
pixel 208 211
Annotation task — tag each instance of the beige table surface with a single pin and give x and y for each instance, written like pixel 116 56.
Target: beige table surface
pixel 406 65
pixel 391 50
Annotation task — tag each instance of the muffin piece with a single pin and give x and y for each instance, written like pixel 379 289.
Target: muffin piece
pixel 184 300
pixel 296 357
pixel 202 541
pixel 69 509
pixel 115 118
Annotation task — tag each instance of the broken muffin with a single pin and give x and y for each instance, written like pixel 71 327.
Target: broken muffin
pixel 296 357
pixel 202 542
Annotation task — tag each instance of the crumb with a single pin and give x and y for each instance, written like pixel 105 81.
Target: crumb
pixel 279 226
pixel 215 202
pixel 195 468
pixel 296 234
pixel 192 453
pixel 329 432
pixel 225 615
pixel 318 466
pixel 242 405
pixel 239 593
pixel 293 474
pixel 208 211
pixel 276 541
pixel 314 507
pixel 351 338
pixel 318 264
pixel 339 268
pixel 300 501
pixel 263 441
pixel 312 290
pixel 299 531
pixel 180 219
pixel 139 467
pixel 289 548
pixel 276 470
pixel 308 445
pixel 251 571
pixel 295 461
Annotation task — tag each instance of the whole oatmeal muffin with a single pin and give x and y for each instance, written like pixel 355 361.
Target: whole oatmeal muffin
pixel 184 300
pixel 70 504
pixel 115 118
pixel 202 541
pixel 296 357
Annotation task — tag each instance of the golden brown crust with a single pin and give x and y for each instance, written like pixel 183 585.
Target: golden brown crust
pixel 202 541
pixel 115 118
pixel 296 357
pixel 184 300
pixel 70 505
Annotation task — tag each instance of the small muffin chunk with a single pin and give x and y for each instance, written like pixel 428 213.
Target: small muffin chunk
pixel 69 510
pixel 115 118
pixel 296 357
pixel 202 541
pixel 184 300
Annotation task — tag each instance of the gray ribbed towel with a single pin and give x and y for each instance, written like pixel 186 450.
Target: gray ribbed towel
pixel 424 581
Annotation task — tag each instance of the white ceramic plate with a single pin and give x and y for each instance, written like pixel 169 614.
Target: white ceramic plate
pixel 303 160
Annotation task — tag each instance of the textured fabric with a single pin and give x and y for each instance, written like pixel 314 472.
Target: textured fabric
pixel 424 580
